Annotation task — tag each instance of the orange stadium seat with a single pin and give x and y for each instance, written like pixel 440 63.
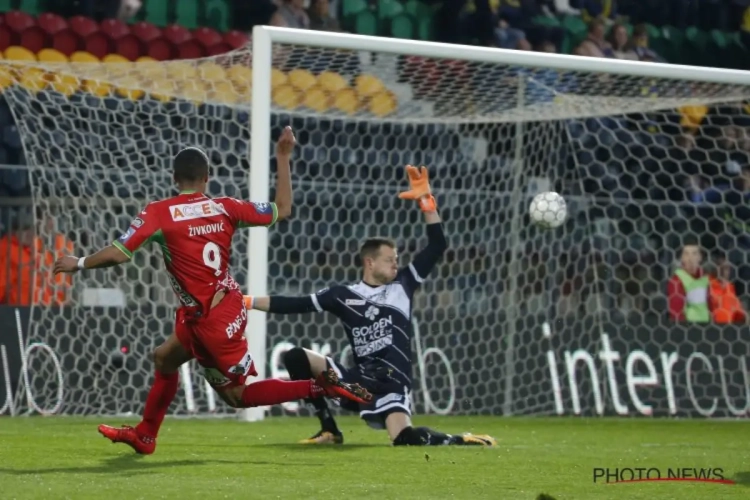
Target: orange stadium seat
pixel 82 26
pixel 301 79
pixel 51 55
pixel 207 37
pixel 19 21
pixel 286 96
pixel 51 23
pixel 347 101
pixel 332 82
pixel 114 28
pixel 66 42
pixel 176 34
pixel 16 53
pixel 368 85
pixel 83 57
pixel 235 39
pixel 383 104
pixel 317 99
pixel 34 39
pixel 145 31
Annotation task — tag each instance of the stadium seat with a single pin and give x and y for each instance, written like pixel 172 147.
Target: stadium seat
pixel 240 76
pixel 114 28
pixel 146 32
pixel 18 21
pixel 130 88
pixel 51 23
pixel 33 79
pixel 16 53
pixel 278 78
pixel 129 46
pixel 382 104
pixel 146 59
pixel 114 58
pixel 181 71
pixel 236 39
pixel 65 84
pixel 225 93
pixel 402 27
pixel 366 23
pixel 207 37
pixel 66 42
pixel 161 89
pixel 194 91
pixel 83 57
pixel 346 100
pixel 187 14
pixel 191 49
pixel 286 96
pixel 34 39
pixel 317 99
pixel 51 55
pixel 82 26
pixel 6 78
pixel 218 49
pixel 301 79
pixel 388 9
pixel 176 34
pixel 211 72
pixel 332 82
pixel 160 50
pixel 97 88
pixel 353 7
pixel 6 37
pixel 97 43
pixel 368 85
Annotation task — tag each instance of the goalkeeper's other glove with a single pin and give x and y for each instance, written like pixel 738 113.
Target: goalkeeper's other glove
pixel 419 181
pixel 248 299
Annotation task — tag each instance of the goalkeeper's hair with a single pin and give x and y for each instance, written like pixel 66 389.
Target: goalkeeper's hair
pixel 371 247
pixel 190 165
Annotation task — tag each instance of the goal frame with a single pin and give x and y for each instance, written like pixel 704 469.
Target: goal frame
pixel 264 37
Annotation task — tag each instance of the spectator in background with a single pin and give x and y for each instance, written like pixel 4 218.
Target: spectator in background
pixel 99 10
pixel 320 16
pixel 604 10
pixel 687 290
pixel 26 265
pixel 293 13
pixel 595 45
pixel 246 14
pixel 639 45
pixel 618 39
pixel 725 305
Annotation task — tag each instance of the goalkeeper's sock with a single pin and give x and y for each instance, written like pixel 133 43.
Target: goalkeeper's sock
pixel 274 391
pixel 159 398
pixel 327 423
pixel 421 436
pixel 298 367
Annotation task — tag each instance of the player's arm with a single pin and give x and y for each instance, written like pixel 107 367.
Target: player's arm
pixel 252 214
pixel 140 232
pixel 437 244
pixel 323 300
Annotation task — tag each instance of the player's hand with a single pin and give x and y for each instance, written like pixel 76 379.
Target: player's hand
pixel 66 264
pixel 419 181
pixel 285 144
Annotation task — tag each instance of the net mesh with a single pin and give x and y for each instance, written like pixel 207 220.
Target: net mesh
pixel 98 139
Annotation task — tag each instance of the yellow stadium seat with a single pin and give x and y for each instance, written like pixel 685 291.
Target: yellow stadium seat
pixel 65 84
pixel 194 91
pixel 346 100
pixel 332 82
pixel 83 57
pixel 317 99
pixel 33 79
pixel 278 78
pixel 211 72
pixel 301 79
pixel 146 59
pixel 52 56
pixel 240 76
pixel 130 88
pixel 161 89
pixel 6 77
pixel 180 70
pixel 224 92
pixel 383 104
pixel 97 88
pixel 368 85
pixel 19 54
pixel 286 96
pixel 114 58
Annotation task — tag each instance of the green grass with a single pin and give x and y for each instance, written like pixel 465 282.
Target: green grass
pixel 54 458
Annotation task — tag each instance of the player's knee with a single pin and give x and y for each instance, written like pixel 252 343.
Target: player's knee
pixel 163 361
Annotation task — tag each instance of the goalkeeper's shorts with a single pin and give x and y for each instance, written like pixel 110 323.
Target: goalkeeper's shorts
pixel 388 395
pixel 218 343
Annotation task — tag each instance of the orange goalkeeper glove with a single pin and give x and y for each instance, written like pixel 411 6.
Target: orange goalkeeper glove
pixel 248 299
pixel 419 181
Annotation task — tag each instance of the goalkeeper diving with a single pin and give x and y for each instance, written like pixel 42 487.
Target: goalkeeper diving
pixel 376 315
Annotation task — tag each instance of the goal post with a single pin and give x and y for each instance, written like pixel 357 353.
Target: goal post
pixel 514 321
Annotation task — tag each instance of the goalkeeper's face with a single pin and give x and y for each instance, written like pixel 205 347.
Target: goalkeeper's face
pixel 384 266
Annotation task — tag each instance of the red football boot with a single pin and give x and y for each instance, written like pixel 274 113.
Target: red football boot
pixel 141 444
pixel 329 385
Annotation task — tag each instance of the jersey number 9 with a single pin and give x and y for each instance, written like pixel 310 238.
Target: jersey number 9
pixel 212 257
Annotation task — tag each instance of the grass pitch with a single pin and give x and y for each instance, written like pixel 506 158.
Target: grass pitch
pixel 56 458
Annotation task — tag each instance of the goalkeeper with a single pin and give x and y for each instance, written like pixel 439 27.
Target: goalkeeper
pixel 376 315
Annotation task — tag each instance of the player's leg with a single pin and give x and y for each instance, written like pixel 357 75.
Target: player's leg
pixel 403 433
pixel 303 364
pixel 168 358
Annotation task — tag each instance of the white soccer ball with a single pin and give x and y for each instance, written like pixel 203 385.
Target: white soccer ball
pixel 548 210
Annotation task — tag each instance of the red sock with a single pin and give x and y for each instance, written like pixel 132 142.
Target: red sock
pixel 274 391
pixel 157 403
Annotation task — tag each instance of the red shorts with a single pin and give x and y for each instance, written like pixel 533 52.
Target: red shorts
pixel 217 341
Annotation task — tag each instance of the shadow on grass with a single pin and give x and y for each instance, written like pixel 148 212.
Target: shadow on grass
pixel 134 464
pixel 333 447
pixel 742 478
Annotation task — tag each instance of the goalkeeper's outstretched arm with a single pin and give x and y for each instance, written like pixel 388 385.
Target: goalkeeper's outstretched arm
pixel 280 304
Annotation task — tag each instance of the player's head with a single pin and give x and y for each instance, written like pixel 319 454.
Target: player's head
pixel 379 260
pixel 691 256
pixel 191 169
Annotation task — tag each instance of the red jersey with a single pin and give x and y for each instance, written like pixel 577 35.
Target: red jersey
pixel 195 235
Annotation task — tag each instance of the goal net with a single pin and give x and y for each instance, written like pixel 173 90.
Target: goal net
pixel 515 320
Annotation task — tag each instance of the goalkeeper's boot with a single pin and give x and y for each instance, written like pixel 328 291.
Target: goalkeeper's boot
pixel 142 445
pixel 330 386
pixel 325 437
pixel 469 439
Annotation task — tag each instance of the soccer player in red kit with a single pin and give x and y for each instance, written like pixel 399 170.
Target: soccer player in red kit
pixel 195 235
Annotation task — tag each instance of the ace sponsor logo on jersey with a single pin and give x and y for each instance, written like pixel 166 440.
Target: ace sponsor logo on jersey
pixel 137 222
pixel 263 207
pixel 199 210
pixel 125 237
